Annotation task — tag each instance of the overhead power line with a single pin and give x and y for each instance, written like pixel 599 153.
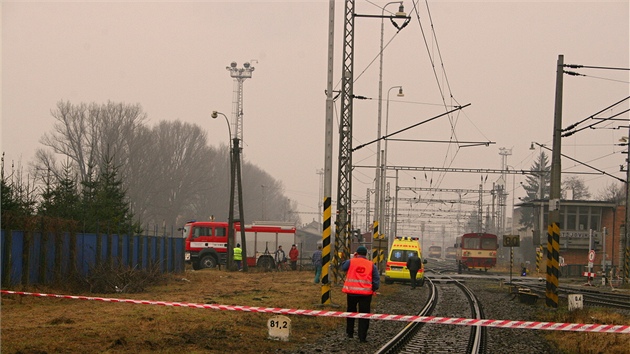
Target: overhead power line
pixel 572 126
pixel 578 66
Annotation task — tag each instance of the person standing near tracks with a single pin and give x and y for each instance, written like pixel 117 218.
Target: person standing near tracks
pixel 413 264
pixel 362 280
pixel 293 256
pixel 281 258
pixel 317 262
pixel 238 256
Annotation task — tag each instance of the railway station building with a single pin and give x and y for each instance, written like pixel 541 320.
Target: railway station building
pixel 582 221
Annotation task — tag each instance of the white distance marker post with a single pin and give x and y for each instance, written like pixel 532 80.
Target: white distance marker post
pixel 279 327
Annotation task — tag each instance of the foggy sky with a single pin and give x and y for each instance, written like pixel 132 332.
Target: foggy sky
pixel 170 57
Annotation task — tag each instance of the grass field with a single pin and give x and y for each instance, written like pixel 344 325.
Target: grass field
pixel 49 325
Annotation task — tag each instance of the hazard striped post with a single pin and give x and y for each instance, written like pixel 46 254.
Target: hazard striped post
pixel 377 248
pixel 553 253
pixel 328 160
pixel 374 238
pixel 326 252
pixel 538 258
pixel 553 228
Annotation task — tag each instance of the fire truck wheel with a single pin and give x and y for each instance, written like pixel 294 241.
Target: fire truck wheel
pixel 207 261
pixel 266 263
pixel 195 265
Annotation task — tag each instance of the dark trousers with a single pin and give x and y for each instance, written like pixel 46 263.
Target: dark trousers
pixel 413 274
pixel 363 303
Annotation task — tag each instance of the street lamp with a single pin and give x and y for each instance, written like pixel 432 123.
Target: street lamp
pixel 215 115
pixel 383 177
pixel 230 243
pixel 538 238
pixel 379 193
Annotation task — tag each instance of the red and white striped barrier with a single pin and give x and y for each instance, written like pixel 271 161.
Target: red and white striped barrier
pixel 590 275
pixel 549 326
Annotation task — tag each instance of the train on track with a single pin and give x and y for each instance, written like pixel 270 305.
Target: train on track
pixel 451 253
pixel 476 251
pixel 435 252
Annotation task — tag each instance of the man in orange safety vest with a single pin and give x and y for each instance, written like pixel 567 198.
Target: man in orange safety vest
pixel 362 280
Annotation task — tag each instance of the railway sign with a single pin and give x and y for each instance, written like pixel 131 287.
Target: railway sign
pixel 591 255
pixel 511 240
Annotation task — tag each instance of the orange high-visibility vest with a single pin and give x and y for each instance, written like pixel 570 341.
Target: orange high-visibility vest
pixel 359 277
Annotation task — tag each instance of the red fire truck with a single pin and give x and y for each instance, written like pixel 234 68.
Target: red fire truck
pixel 206 242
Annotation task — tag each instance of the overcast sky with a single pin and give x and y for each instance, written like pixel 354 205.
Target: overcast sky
pixel 171 58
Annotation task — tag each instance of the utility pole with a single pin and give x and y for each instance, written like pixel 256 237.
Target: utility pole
pixel 239 75
pixel 553 229
pixel 502 194
pixel 344 183
pixel 328 149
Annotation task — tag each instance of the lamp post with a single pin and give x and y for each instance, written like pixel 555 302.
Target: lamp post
pixel 378 212
pixel 239 75
pixel 381 169
pixel 230 243
pixel 538 238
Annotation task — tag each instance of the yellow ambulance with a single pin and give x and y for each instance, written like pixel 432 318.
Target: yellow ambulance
pixel 396 266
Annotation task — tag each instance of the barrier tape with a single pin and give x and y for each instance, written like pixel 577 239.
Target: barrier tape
pixel 549 326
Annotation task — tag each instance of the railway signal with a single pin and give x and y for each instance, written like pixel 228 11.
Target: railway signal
pixel 511 240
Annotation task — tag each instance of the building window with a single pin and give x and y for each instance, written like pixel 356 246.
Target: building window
pixel 571 218
pixel 583 218
pixel 596 217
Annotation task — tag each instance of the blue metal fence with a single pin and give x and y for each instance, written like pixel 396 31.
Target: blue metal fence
pixel 36 258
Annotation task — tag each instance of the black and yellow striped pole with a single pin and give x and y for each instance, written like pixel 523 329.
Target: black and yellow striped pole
pixel 553 266
pixel 553 228
pixel 375 249
pixel 328 151
pixel 538 258
pixel 326 252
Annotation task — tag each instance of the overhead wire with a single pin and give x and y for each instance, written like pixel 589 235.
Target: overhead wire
pixel 432 59
pixel 574 125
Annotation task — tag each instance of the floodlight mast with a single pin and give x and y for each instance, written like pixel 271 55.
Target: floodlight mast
pixel 239 75
pixel 236 185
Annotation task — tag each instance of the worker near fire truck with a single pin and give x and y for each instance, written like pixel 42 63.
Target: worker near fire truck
pixel 280 257
pixel 293 256
pixel 362 280
pixel 238 256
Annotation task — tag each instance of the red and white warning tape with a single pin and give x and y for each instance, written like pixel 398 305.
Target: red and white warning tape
pixel 550 326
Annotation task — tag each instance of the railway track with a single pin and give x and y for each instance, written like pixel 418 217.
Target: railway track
pixel 590 296
pixel 447 298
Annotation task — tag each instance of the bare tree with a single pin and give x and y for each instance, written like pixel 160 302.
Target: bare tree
pixel 612 192
pixel 84 133
pixel 575 185
pixel 168 171
pixel 182 171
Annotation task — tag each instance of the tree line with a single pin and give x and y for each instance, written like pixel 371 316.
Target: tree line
pixel 103 167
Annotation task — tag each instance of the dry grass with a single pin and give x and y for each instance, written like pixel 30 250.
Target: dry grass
pixel 580 342
pixel 48 325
